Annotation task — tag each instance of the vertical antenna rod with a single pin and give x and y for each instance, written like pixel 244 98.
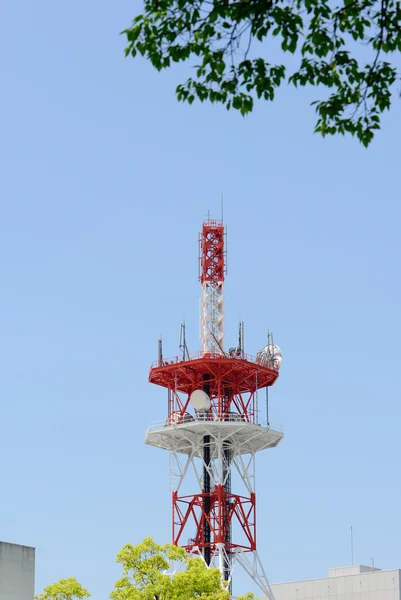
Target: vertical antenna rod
pixel 352 546
pixel 212 270
pixel 183 343
pixel 159 352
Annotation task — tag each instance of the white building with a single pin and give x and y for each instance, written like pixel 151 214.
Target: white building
pixel 17 572
pixel 346 583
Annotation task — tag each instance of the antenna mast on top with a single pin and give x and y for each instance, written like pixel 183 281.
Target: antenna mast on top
pixel 183 344
pixel 212 260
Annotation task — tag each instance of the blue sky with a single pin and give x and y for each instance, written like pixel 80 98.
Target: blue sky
pixel 105 180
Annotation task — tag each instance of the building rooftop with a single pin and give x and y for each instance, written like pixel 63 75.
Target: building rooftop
pixel 341 572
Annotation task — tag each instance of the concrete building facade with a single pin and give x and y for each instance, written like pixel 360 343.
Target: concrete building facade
pixel 345 583
pixel 17 572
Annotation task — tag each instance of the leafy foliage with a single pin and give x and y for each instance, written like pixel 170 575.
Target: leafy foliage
pixel 327 38
pixel 65 589
pixel 145 577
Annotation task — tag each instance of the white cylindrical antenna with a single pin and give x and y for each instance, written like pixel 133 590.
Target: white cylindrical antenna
pixel 241 337
pixel 159 352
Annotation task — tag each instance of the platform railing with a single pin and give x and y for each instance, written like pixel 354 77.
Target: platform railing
pixel 188 419
pixel 214 355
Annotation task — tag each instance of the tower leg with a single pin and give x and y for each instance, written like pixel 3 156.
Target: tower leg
pixel 252 564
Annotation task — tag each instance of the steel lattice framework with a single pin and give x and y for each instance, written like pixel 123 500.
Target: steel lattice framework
pixel 212 271
pixel 216 443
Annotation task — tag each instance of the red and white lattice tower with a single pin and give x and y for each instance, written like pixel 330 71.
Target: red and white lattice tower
pixel 214 428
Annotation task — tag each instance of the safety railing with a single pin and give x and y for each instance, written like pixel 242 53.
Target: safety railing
pixel 214 355
pixel 178 420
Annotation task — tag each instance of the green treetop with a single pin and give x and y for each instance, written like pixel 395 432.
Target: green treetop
pixel 348 47
pixel 145 577
pixel 65 589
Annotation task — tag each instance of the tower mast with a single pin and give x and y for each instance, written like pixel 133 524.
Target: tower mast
pixel 212 271
pixel 214 428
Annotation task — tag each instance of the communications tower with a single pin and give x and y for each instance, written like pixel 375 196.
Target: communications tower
pixel 215 425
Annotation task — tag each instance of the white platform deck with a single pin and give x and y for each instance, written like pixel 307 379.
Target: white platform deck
pixel 187 437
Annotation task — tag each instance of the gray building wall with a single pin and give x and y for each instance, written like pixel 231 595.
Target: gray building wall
pixel 17 572
pixel 345 583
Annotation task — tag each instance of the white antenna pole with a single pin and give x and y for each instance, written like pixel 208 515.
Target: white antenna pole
pixel 352 547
